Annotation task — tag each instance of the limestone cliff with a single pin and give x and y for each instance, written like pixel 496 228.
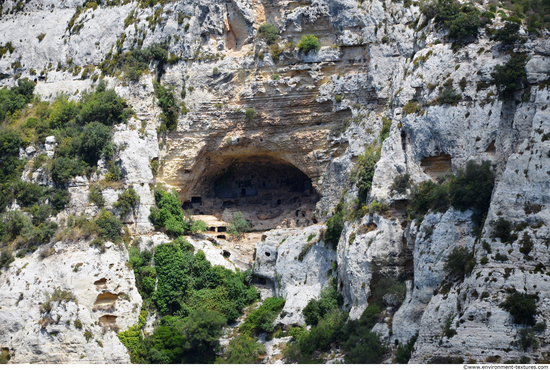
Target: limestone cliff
pixel 275 133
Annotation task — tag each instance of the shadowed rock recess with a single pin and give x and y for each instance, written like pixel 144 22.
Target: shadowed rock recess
pixel 254 181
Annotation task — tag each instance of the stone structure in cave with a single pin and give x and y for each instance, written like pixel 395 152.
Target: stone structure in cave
pixel 268 191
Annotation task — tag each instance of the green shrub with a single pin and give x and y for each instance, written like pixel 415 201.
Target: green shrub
pixel 6 258
pixel 95 196
pixel 364 347
pixel 309 43
pixel 261 320
pixel 403 353
pixel 401 183
pixel 40 213
pixel 250 113
pixel 169 216
pixel 238 225
pixel 242 350
pixel 510 77
pixel 363 172
pixel 457 262
pixel 64 169
pixel 269 33
pixel 104 106
pixel 370 316
pixel 188 282
pixel 169 105
pixel 462 21
pixel 501 229
pixel 522 307
pixel 110 228
pixel 385 131
pixel 448 96
pixel 335 225
pixel 95 138
pixel 509 34
pixel 60 199
pixel 470 189
pixel 316 309
pixel 127 200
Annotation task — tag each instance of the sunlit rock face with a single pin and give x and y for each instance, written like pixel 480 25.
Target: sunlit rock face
pixel 274 133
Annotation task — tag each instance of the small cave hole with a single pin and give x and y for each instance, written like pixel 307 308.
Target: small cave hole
pixel 267 254
pixel 220 237
pixel 222 229
pixel 226 254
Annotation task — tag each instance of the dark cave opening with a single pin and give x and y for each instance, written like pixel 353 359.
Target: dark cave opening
pixel 268 191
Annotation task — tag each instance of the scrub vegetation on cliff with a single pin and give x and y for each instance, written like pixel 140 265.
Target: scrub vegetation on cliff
pixel 83 132
pixel 196 300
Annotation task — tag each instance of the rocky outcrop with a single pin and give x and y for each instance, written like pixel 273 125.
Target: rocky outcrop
pixel 67 305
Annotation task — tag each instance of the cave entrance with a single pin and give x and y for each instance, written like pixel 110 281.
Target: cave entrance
pixel 268 191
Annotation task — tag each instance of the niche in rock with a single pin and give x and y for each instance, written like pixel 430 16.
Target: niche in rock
pixel 266 190
pixel 438 165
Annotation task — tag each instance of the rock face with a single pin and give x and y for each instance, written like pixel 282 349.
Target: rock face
pixel 87 291
pixel 297 265
pixel 274 133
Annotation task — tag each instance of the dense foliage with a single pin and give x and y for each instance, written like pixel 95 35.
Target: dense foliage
pixel 332 326
pixel 127 200
pixel 82 130
pixel 469 189
pixel 522 307
pixel 509 34
pixel 316 309
pixel 403 353
pixel 309 43
pixel 459 262
pixel 169 216
pixel 269 33
pixel 169 105
pixel 238 225
pixel 510 77
pixel 261 320
pixel 335 225
pixel 462 20
pixel 196 299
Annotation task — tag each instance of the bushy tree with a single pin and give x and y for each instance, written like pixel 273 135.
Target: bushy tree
pixel 457 262
pixel 501 229
pixel 110 227
pixel 269 33
pixel 510 77
pixel 169 105
pixel 127 200
pixel 169 216
pixel 522 307
pixel 364 347
pixel 95 137
pixel 309 43
pixel 509 34
pixel 239 225
pixel 335 225
pixel 242 350
pixel 261 320
pixel 104 106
